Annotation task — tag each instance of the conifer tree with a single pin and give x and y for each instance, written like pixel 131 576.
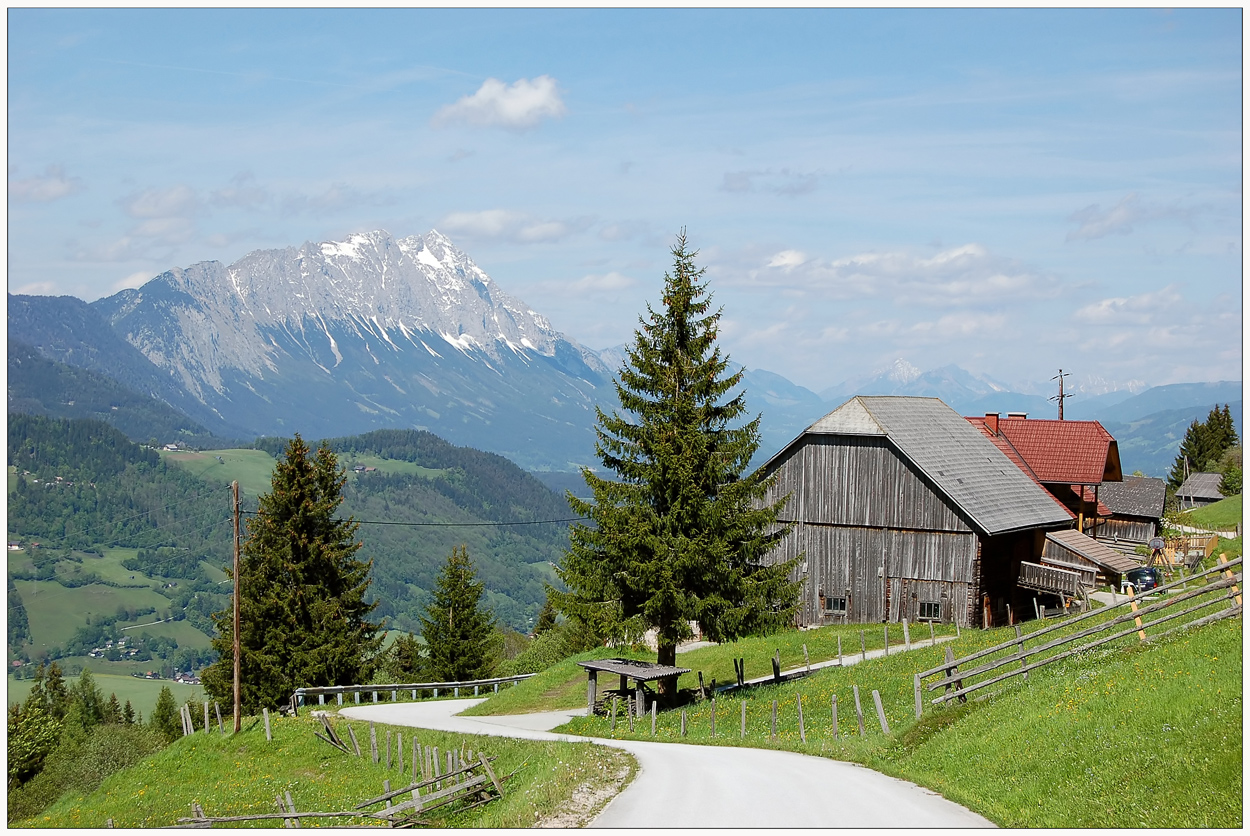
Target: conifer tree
pixel 303 613
pixel 679 534
pixel 457 630
pixel 1204 445
pixel 165 715
pixel 546 618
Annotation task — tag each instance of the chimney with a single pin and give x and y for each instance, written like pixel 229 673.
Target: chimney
pixel 991 421
pixel 1017 415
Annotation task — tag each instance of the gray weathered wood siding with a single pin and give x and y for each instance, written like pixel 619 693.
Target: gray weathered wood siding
pixel 1130 530
pixel 867 565
pixel 859 481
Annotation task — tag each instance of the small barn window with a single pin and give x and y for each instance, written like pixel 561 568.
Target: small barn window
pixel 930 611
pixel 835 606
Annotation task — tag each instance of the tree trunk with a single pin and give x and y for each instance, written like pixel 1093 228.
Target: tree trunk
pixel 668 684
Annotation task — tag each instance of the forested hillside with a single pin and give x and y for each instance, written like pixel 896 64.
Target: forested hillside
pixel 127 537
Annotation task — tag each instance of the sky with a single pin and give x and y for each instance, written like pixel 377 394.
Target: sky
pixel 1009 191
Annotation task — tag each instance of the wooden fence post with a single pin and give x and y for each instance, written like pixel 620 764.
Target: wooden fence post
pixel 863 652
pixel 591 692
pixel 932 637
pixel 833 710
pixel 798 701
pixel 806 661
pixel 683 722
pixel 906 636
pixel 839 651
pixel 1010 618
pixel 352 734
pixel 268 733
pixel 859 712
pixel 1020 644
pixel 399 749
pixel 220 726
pixel 373 740
pixel 388 749
pixel 1132 602
pixel 950 671
pixel 614 699
pixel 653 704
pixel 206 726
pixel 630 714
pixel 886 632
pixel 1228 573
pixel 915 684
pixel 1037 612
pixel 713 716
pixel 777 666
pixel 876 698
pixel 773 732
pixel 743 732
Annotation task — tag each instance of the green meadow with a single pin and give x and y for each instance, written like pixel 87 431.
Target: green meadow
pixel 142 693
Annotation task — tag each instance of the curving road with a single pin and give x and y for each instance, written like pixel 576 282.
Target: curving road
pixel 682 785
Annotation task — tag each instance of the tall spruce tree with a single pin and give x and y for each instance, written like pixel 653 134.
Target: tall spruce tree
pixel 456 629
pixel 1204 445
pixel 303 614
pixel 680 534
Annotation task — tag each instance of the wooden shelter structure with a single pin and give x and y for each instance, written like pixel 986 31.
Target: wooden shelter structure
pixel 1071 548
pixel 1199 489
pixel 627 669
pixel 902 509
pixel 1136 505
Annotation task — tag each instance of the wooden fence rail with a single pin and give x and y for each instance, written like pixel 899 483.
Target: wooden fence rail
pixel 301 695
pixel 955 674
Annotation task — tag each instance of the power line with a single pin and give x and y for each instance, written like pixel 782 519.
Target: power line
pixel 444 524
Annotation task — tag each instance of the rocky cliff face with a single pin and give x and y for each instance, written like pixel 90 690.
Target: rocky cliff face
pixel 341 337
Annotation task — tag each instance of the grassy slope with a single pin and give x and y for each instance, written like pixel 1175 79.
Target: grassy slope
pixel 231 775
pixel 564 685
pixel 1223 514
pixel 1067 749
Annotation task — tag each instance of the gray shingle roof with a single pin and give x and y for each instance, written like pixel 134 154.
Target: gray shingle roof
pixel 973 474
pixel 1201 486
pixel 1136 496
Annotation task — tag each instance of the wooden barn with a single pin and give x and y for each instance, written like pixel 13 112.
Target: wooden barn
pixel 1136 505
pixel 903 509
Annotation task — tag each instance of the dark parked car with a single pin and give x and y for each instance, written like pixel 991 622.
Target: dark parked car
pixel 1144 579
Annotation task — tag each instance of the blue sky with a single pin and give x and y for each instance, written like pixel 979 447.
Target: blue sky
pixel 1008 191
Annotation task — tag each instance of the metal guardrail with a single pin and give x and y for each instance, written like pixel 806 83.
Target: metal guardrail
pixel 299 698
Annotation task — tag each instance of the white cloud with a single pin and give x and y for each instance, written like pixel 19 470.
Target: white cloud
pixel 38 289
pixel 520 105
pixel 53 185
pixel 504 224
pixel 1095 222
pixel 1157 306
pixel 133 280
pixel 955 277
pixel 176 201
pixel 784 182
pixel 242 192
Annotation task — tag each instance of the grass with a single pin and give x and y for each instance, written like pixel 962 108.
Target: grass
pixel 142 693
pixel 564 685
pixel 1099 740
pixel 1223 514
pixel 242 774
pixel 47 604
pixel 253 469
pixel 348 461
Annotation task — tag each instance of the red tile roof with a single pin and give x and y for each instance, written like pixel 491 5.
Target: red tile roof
pixel 1067 452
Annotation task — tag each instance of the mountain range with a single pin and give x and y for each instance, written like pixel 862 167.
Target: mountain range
pixel 339 338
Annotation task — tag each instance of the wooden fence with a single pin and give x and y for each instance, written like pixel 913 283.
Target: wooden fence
pixel 1217 584
pixel 301 695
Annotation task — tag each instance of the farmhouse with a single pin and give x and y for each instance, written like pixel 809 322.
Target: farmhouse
pixel 1071 459
pixel 903 509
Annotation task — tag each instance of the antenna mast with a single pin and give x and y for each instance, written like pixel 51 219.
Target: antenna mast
pixel 1061 396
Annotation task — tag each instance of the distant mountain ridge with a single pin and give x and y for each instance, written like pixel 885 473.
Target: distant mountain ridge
pixel 377 332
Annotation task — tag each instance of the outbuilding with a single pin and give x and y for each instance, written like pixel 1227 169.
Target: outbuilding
pixel 902 509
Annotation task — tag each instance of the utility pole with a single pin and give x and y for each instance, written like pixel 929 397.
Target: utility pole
pixel 238 714
pixel 1061 396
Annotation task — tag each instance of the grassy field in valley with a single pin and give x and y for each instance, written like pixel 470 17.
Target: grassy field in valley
pixel 239 775
pixel 142 693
